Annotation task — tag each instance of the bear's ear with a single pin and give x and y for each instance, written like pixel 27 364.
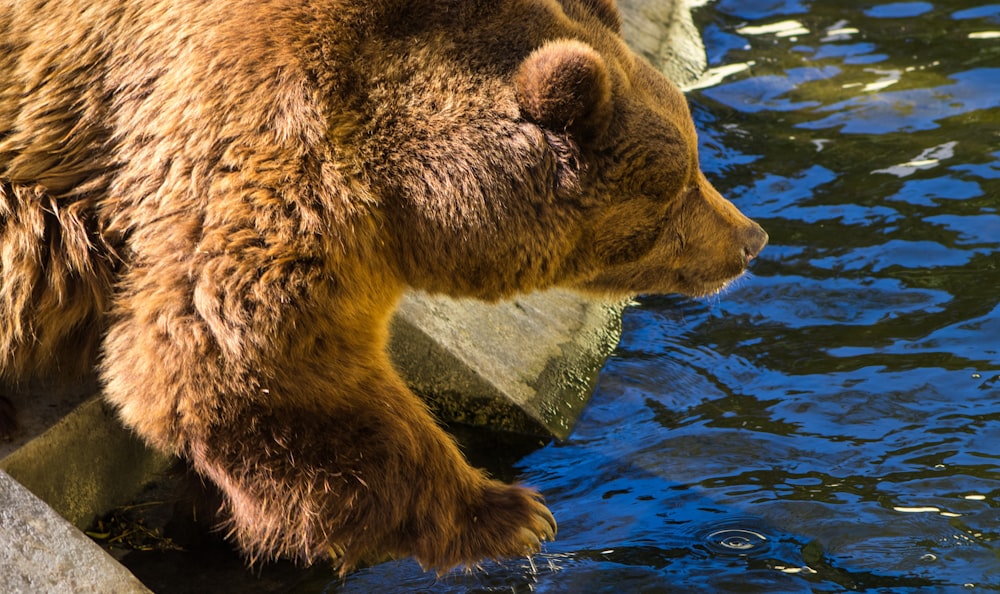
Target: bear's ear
pixel 565 85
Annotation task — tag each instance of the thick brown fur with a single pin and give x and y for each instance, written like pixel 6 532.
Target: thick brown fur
pixel 220 203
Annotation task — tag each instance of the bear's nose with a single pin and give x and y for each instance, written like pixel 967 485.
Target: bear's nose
pixel 754 241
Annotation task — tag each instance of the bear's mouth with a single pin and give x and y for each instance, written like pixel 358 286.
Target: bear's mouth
pixel 629 283
pixel 717 288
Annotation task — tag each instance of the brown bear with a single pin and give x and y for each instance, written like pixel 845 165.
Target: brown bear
pixel 219 203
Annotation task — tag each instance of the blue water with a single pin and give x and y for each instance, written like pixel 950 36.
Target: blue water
pixel 832 423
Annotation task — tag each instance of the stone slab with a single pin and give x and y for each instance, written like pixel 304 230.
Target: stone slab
pixel 85 464
pixel 663 32
pixel 525 366
pixel 41 552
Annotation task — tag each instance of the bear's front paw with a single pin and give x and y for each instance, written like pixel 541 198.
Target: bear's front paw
pixel 521 511
pixel 504 521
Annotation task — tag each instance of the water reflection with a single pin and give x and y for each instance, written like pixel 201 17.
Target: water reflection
pixel 912 110
pixel 833 423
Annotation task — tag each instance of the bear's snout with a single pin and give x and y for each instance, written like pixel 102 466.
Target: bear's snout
pixel 755 238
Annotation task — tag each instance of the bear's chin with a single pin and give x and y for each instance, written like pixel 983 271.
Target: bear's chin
pixel 677 284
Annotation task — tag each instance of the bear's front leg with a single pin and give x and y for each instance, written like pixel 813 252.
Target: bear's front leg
pixel 362 479
pixel 317 446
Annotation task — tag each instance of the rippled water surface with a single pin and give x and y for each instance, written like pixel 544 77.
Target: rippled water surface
pixel 832 423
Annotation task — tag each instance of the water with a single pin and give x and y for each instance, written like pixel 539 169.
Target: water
pixel 832 423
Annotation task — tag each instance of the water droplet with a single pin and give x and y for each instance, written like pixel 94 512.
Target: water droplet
pixel 736 541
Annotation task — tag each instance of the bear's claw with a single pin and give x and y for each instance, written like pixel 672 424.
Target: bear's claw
pixel 549 528
pixel 525 511
pixel 503 522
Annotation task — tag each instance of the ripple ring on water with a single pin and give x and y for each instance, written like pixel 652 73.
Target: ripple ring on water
pixel 737 541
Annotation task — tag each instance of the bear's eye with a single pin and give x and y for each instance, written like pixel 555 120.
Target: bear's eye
pixel 660 179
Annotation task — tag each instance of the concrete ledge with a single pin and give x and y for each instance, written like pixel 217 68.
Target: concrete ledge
pixel 663 32
pixel 525 366
pixel 84 465
pixel 42 552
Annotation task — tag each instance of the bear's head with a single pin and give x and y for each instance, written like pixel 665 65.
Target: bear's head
pixel 521 145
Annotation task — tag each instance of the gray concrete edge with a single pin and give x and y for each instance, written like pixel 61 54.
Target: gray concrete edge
pixel 41 552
